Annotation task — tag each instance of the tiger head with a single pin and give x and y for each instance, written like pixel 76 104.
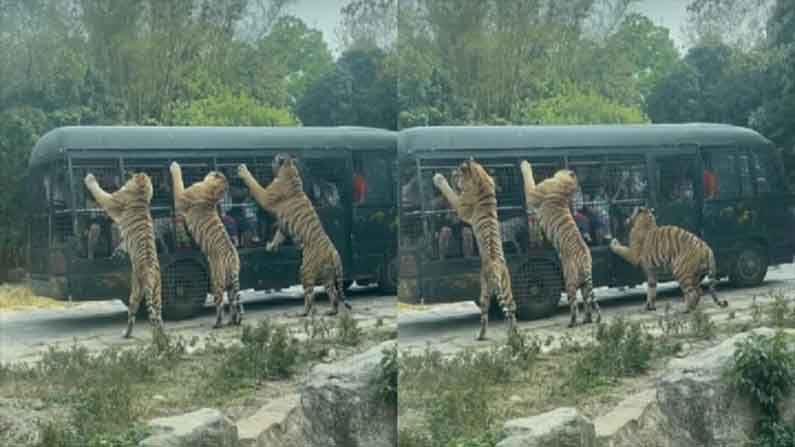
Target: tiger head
pixel 286 170
pixel 471 177
pixel 566 180
pixel 138 186
pixel 215 184
pixel 642 217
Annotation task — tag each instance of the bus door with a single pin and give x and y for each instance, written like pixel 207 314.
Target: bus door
pixel 374 212
pixel 328 179
pixel 678 181
pixel 775 205
pixel 251 227
pixel 626 187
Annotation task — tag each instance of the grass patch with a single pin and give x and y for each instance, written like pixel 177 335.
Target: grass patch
pixel 104 395
pixel 16 297
pixel 763 368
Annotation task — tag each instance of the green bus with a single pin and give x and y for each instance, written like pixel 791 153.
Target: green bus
pixel 74 248
pixel 723 183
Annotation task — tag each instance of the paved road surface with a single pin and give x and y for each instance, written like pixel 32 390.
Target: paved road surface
pixel 449 327
pixel 98 324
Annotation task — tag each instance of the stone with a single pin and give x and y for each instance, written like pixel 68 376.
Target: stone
pixel 563 427
pixel 692 405
pixel 202 428
pixel 269 421
pixel 341 407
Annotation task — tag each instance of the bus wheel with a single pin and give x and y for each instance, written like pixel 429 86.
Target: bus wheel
pixel 185 286
pixel 536 290
pixel 750 266
pixel 388 277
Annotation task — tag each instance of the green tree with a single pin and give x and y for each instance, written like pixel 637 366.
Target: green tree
pixel 231 110
pixel 578 107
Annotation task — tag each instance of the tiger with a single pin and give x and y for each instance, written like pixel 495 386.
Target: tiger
pixel 198 205
pixel 476 205
pixel 129 208
pixel 687 256
pixel 551 200
pixel 284 198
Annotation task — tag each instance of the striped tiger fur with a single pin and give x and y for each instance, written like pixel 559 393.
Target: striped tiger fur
pixel 284 197
pixel 476 205
pixel 551 199
pixel 129 208
pixel 198 204
pixel 687 256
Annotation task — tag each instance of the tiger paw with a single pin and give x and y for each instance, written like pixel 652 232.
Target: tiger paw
pixel 90 179
pixel 438 180
pixel 242 170
pixel 269 247
pixel 525 166
pixel 174 168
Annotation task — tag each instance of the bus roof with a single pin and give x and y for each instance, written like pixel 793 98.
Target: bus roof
pixel 453 138
pixel 54 143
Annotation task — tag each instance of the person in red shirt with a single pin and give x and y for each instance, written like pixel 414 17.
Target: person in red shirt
pixel 710 185
pixel 359 185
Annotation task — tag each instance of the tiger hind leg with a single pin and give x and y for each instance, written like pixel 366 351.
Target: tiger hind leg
pixel 132 307
pixel 509 309
pixel 591 305
pixel 571 293
pixel 485 303
pixel 154 306
pixel 218 298
pixel 692 293
pixel 309 296
pixel 234 297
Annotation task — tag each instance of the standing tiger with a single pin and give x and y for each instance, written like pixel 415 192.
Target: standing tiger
pixel 129 208
pixel 198 204
pixel 552 199
pixel 477 206
pixel 688 257
pixel 297 218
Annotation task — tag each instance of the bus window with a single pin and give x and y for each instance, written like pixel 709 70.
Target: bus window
pixel 324 179
pixel 372 173
pixel 676 186
pixel 746 181
pixel 766 176
pixel 626 187
pixel 721 179
pixel 590 204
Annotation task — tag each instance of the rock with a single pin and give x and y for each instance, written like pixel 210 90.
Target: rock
pixel 202 428
pixel 270 422
pixel 564 427
pixel 692 405
pixel 340 405
pixel 336 407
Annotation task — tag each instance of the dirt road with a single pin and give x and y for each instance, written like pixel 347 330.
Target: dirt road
pixel 24 335
pixel 450 327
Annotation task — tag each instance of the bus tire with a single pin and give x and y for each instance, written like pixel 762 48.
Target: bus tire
pixel 536 289
pixel 185 284
pixel 388 277
pixel 750 266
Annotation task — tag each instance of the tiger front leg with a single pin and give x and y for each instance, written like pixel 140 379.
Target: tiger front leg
pixel 623 252
pixel 533 197
pixel 276 242
pixel 452 198
pixel 103 198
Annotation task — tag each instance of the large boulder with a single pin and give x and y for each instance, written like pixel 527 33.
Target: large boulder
pixel 693 405
pixel 202 428
pixel 338 407
pixel 564 427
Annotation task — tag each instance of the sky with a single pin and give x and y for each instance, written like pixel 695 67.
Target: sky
pixel 325 14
